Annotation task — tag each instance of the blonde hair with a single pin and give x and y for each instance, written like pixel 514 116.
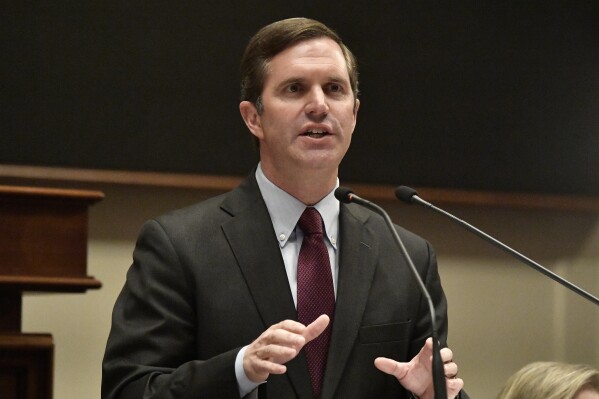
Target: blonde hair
pixel 550 380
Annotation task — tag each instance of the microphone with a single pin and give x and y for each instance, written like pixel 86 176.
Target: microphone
pixel 346 195
pixel 410 196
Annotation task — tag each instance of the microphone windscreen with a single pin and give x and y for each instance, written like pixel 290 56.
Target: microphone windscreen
pixel 405 193
pixel 343 194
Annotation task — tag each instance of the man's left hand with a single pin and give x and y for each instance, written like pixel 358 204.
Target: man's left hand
pixel 416 375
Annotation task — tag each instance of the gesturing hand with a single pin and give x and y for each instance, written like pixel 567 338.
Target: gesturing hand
pixel 416 375
pixel 277 345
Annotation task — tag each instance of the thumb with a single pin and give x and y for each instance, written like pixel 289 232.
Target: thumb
pixel 316 328
pixel 390 366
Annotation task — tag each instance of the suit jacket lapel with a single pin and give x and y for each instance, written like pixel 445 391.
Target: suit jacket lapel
pixel 357 260
pixel 252 240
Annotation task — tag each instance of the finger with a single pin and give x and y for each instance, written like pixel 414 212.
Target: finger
pixel 282 337
pixel 316 328
pixel 454 386
pixel 429 343
pixel 451 370
pixel 258 370
pixel 426 353
pixel 390 366
pixel 275 353
pixel 446 355
pixel 289 325
pixel 427 348
pixel 266 366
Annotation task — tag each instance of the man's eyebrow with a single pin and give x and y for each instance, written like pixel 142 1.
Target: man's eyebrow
pixel 291 80
pixel 339 79
pixel 331 79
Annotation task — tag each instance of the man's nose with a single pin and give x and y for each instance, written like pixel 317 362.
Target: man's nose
pixel 317 103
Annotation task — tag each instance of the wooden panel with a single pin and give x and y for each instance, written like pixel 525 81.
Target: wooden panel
pixel 43 234
pixel 26 366
pixel 38 239
pixel 10 316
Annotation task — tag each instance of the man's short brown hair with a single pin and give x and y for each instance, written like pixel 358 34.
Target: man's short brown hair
pixel 276 37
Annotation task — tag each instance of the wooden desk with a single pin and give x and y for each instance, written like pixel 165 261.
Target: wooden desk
pixel 43 247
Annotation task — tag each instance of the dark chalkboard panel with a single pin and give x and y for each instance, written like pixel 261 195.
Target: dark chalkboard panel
pixel 490 95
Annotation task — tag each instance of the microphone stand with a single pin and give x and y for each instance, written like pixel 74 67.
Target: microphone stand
pixel 345 195
pixel 410 196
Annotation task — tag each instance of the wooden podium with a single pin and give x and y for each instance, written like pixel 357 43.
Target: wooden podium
pixel 43 247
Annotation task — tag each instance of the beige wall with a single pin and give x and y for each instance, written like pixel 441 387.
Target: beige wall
pixel 502 314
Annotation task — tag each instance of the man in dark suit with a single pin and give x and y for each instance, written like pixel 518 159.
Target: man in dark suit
pixel 220 301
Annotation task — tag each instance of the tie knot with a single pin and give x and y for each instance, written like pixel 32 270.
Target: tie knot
pixel 310 222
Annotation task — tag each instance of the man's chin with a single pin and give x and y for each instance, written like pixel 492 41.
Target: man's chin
pixel 321 161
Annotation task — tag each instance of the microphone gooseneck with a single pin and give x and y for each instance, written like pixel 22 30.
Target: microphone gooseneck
pixel 346 195
pixel 410 196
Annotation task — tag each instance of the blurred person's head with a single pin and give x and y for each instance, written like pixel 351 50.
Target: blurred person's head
pixel 552 380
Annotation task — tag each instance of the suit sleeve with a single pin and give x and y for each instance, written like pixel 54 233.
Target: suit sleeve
pixel 432 281
pixel 151 349
pixel 430 276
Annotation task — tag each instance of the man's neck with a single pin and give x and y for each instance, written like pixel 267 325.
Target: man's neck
pixel 307 186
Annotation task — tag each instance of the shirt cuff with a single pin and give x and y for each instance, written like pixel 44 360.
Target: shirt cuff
pixel 243 382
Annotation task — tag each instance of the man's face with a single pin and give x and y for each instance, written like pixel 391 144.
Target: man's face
pixel 309 111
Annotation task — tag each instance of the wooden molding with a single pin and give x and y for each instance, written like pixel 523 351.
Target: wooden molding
pixel 379 192
pixel 48 284
pixel 156 179
pixel 85 196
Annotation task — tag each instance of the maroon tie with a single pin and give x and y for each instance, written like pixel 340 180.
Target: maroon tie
pixel 315 294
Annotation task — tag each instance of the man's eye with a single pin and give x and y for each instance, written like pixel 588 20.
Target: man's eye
pixel 294 88
pixel 335 88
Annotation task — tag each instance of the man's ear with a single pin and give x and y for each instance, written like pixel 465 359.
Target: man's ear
pixel 356 107
pixel 251 117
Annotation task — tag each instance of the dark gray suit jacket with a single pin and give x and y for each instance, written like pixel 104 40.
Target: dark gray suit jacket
pixel 208 279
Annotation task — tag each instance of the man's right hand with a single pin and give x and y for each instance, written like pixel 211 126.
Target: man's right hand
pixel 278 345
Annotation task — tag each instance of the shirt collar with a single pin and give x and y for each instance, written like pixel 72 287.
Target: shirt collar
pixel 285 210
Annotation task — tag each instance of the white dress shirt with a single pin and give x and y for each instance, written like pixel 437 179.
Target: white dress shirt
pixel 285 210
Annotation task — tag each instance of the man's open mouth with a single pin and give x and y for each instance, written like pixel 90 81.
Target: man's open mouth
pixel 315 134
